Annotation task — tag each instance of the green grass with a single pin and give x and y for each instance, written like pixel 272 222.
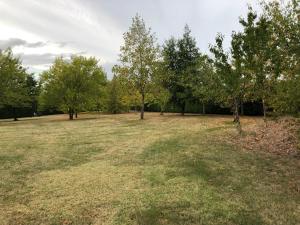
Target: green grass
pixel 116 169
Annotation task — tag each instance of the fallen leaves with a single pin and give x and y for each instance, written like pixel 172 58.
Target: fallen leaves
pixel 279 136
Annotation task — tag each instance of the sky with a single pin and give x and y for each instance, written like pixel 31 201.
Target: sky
pixel 38 31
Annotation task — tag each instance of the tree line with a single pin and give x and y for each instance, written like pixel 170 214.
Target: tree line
pixel 261 65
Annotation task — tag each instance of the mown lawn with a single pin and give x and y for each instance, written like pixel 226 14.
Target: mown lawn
pixel 116 169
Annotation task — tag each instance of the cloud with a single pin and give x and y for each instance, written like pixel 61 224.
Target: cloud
pixel 13 42
pixel 35 44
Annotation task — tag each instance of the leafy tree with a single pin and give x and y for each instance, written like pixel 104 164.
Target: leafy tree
pixel 72 86
pixel 115 104
pixel 14 92
pixel 229 72
pixel 159 94
pixel 138 57
pixel 287 97
pixel 181 57
pixel 285 27
pixel 262 61
pixel 205 83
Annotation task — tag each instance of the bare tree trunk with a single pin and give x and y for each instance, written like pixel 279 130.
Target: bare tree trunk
pixel 237 116
pixel 183 109
pixel 71 114
pixel 76 114
pixel 236 111
pixel 15 114
pixel 203 108
pixel 264 109
pixel 161 111
pixel 143 107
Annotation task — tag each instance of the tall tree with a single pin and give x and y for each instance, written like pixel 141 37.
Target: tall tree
pixel 138 57
pixel 285 26
pixel 205 83
pixel 14 91
pixel 181 57
pixel 72 86
pixel 262 57
pixel 229 72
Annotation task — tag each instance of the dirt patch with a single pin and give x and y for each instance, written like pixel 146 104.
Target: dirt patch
pixel 280 136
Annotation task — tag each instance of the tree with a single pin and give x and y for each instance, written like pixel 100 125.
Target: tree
pixel 14 92
pixel 285 27
pixel 33 92
pixel 262 57
pixel 159 94
pixel 114 103
pixel 229 73
pixel 138 57
pixel 181 57
pixel 205 83
pixel 72 86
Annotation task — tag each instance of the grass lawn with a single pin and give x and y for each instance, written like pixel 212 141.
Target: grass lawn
pixel 116 169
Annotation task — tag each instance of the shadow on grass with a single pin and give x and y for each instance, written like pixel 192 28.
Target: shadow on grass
pixel 216 166
pixel 20 169
pixel 183 211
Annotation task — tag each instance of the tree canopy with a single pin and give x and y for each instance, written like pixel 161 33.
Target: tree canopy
pixel 72 86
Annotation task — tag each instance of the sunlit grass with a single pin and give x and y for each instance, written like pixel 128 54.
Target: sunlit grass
pixel 116 169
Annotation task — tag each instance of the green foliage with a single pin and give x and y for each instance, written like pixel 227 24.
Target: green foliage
pixel 114 103
pixel 285 25
pixel 72 86
pixel 205 83
pixel 229 75
pixel 181 57
pixel 138 57
pixel 287 96
pixel 159 94
pixel 16 86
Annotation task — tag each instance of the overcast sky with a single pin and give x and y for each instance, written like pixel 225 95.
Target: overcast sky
pixel 39 30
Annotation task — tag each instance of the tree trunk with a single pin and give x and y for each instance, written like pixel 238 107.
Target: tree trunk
pixel 161 111
pixel 76 114
pixel 264 109
pixel 236 111
pixel 15 114
pixel 143 107
pixel 237 116
pixel 183 109
pixel 71 114
pixel 203 108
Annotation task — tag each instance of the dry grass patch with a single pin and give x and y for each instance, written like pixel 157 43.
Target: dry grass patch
pixel 116 169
